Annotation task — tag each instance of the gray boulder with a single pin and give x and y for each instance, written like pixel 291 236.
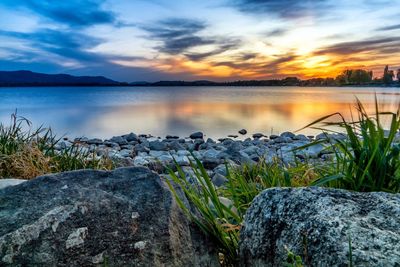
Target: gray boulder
pixel 126 217
pixel 157 145
pixel 131 137
pixel 119 140
pixel 316 223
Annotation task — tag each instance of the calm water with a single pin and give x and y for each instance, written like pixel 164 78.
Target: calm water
pixel 217 111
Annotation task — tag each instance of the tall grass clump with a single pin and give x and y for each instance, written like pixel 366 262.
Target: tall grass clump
pixel 219 212
pixel 369 158
pixel 26 152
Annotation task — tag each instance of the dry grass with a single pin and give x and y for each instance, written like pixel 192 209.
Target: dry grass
pixel 26 153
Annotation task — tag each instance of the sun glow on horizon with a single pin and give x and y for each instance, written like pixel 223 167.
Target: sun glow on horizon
pixel 211 39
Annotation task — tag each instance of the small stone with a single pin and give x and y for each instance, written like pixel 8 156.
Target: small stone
pixel 243 131
pixel 258 135
pixel 119 140
pixel 197 135
pixel 288 135
pixel 131 137
pixel 273 136
pixel 233 135
pixel 95 141
pixel 210 141
pixel 172 137
pixel 157 145
pixel 219 180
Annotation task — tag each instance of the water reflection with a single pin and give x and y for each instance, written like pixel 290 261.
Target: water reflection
pixel 103 112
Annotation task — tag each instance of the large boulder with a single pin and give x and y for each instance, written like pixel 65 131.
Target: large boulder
pixel 317 223
pixel 126 217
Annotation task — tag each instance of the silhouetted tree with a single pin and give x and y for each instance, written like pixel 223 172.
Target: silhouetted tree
pixel 388 75
pixel 398 76
pixel 357 76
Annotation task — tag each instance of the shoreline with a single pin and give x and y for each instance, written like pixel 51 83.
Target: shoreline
pixel 158 153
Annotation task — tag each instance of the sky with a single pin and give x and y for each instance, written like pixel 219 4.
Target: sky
pixel 220 40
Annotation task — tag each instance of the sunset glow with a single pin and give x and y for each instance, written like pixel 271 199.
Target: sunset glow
pixel 194 40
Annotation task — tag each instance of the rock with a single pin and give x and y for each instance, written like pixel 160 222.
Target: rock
pixel 81 140
pixel 210 141
pixel 171 137
pixel 301 137
pixel 273 136
pixel 157 145
pixel 321 221
pixel 258 135
pixel 131 137
pixel 211 163
pixel 157 153
pixel 233 135
pixel 125 153
pixel 288 135
pixel 10 182
pixel 182 161
pixel 282 139
pixel 126 217
pixel 196 135
pixel 140 148
pixel 251 150
pixel 219 180
pixel 210 153
pixel 242 131
pixel 119 140
pixel 221 169
pixel 198 143
pixel 94 141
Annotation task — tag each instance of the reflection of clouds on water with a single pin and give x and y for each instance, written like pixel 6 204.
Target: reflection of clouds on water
pixel 180 111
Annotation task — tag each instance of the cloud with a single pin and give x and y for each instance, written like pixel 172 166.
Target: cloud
pixel 67 44
pixel 389 28
pixel 178 36
pixel 276 32
pixel 282 8
pixel 379 45
pixel 222 44
pixel 74 13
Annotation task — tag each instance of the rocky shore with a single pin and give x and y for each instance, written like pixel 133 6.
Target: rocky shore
pixel 156 153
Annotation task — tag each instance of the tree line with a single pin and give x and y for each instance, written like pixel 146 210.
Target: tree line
pixel 362 77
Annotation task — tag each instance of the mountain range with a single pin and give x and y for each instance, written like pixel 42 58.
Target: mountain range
pixel 29 78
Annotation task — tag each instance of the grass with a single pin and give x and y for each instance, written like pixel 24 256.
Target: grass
pixel 368 160
pixel 220 212
pixel 26 152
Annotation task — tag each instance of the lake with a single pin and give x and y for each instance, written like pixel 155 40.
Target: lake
pixel 217 111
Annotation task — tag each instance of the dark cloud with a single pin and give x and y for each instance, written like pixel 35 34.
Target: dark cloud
pixel 267 68
pixel 178 35
pixel 389 28
pixel 247 56
pixel 379 45
pixel 67 44
pixel 74 13
pixel 282 8
pixel 276 32
pixel 223 45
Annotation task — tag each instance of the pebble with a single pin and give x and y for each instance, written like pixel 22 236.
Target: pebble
pixel 197 135
pixel 155 153
pixel 242 131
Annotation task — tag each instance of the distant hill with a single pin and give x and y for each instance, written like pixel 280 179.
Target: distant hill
pixel 29 78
